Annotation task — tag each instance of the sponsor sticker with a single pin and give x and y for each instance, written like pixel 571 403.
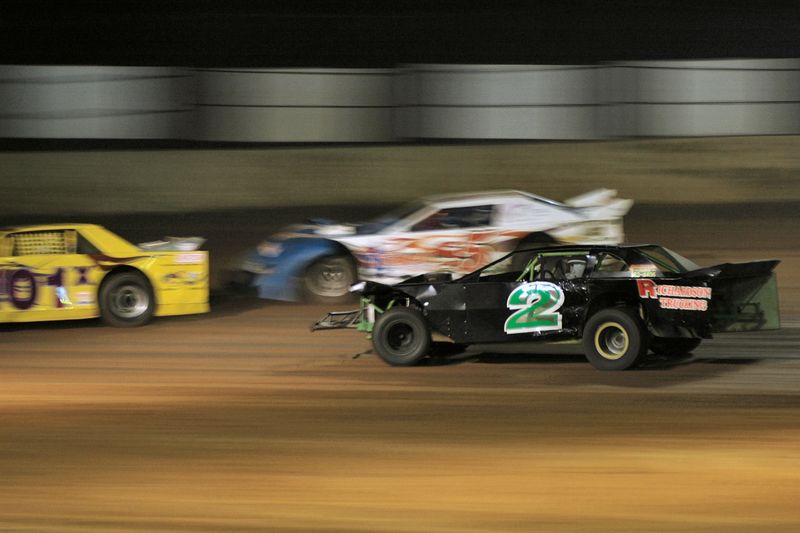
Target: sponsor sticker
pixel 684 298
pixel 643 270
pixel 84 298
pixel 189 259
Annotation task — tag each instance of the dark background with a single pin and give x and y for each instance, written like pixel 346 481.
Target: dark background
pixel 373 34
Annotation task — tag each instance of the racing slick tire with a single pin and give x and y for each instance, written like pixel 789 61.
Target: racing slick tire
pixel 401 336
pixel 126 300
pixel 614 339
pixel 674 347
pixel 327 280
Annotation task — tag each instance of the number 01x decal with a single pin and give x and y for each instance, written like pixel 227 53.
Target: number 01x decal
pixel 535 305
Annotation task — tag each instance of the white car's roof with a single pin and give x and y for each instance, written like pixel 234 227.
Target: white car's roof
pixel 498 196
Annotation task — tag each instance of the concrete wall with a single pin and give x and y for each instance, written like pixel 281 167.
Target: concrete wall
pixel 668 98
pixel 294 105
pixel 499 102
pixel 681 98
pixel 95 102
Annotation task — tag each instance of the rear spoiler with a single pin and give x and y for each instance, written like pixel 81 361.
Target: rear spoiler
pixel 601 203
pixel 173 244
pixel 735 270
pixel 744 295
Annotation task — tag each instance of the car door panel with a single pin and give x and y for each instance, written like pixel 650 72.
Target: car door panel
pixel 523 311
pixel 50 288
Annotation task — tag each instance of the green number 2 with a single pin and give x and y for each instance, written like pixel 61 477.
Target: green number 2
pixel 535 305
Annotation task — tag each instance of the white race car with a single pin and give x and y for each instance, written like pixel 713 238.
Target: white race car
pixel 454 233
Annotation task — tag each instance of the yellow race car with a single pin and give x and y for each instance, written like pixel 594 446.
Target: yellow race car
pixel 73 271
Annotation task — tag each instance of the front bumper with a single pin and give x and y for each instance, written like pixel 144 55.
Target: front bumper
pixel 341 320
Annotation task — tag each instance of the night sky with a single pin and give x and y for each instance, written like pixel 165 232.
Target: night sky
pixel 370 34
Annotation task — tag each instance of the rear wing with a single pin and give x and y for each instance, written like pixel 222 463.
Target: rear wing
pixel 173 244
pixel 744 296
pixel 600 204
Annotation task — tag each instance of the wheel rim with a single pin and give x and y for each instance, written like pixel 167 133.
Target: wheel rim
pixel 611 341
pixel 400 337
pixel 129 301
pixel 330 278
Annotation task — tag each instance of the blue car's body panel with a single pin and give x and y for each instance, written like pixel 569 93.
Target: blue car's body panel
pixel 284 269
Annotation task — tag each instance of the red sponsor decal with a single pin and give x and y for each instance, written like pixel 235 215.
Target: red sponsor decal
pixel 681 297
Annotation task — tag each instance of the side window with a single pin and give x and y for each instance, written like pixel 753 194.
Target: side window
pixel 574 267
pixel 563 267
pixel 85 247
pixel 609 265
pixel 525 213
pixel 456 217
pixel 44 242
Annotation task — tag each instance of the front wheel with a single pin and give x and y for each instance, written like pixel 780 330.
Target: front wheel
pixel 401 336
pixel 126 300
pixel 328 279
pixel 614 339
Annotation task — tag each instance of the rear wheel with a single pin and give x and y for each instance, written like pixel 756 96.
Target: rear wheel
pixel 401 336
pixel 614 339
pixel 328 279
pixel 126 300
pixel 675 347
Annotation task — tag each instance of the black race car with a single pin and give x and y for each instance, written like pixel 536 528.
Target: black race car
pixel 620 300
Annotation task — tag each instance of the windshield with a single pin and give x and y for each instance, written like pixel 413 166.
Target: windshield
pixel 387 219
pixel 667 260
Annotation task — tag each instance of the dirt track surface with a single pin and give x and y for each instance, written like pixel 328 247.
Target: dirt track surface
pixel 242 420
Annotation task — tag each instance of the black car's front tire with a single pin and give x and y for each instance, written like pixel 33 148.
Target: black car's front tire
pixel 614 339
pixel 401 336
pixel 126 300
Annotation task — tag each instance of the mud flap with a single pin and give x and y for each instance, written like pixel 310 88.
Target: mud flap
pixel 745 299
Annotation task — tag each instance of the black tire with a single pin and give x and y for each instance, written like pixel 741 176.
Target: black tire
pixel 327 280
pixel 673 347
pixel 614 339
pixel 126 300
pixel 401 336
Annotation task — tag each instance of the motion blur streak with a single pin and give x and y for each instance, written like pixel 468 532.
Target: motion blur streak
pixel 594 101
